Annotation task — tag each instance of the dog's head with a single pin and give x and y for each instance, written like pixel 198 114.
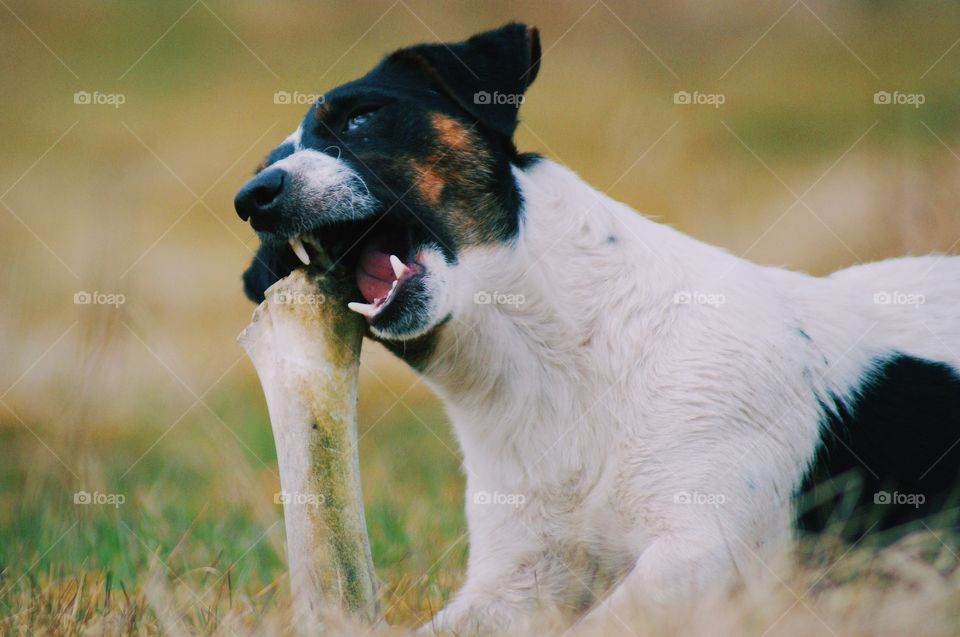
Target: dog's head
pixel 393 175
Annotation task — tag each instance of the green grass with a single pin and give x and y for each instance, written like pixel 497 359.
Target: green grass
pixel 186 510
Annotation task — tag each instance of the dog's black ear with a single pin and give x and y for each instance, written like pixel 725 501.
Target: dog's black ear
pixel 487 75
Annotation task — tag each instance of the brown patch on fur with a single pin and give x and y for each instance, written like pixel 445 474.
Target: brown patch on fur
pixel 428 180
pixel 322 112
pixel 261 165
pixel 452 178
pixel 451 133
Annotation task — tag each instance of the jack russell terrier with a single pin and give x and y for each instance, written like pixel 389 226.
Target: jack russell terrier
pixel 640 414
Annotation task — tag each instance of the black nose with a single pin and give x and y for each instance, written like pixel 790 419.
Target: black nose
pixel 260 194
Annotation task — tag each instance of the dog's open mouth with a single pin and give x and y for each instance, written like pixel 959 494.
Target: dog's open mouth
pixel 382 257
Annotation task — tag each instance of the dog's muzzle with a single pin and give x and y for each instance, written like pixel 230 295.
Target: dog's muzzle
pixel 302 192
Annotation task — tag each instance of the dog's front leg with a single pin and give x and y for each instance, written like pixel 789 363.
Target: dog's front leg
pixel 508 570
pixel 678 568
pixel 666 578
pixel 488 602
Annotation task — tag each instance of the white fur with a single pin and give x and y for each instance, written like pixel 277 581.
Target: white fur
pixel 295 139
pixel 591 401
pixel 322 182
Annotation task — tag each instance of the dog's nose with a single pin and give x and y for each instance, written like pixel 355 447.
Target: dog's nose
pixel 260 194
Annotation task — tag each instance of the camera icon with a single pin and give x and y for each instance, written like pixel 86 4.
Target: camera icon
pixel 882 497
pixel 282 498
pixel 882 298
pixel 482 97
pixel 482 497
pixel 282 97
pixel 82 497
pixel 683 497
pixel 82 298
pixel 682 298
pixel 682 97
pixel 82 97
pixel 882 97
pixel 482 298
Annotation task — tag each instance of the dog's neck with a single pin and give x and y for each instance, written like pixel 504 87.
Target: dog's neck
pixel 541 326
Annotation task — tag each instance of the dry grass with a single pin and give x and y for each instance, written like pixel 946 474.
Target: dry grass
pixel 154 401
pixel 910 588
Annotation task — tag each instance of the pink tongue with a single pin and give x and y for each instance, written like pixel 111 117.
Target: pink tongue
pixel 374 274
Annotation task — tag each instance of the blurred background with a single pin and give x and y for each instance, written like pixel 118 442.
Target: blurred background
pixel 808 134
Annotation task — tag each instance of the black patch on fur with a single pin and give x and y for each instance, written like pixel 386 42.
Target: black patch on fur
pixel 418 352
pixel 407 312
pixel 282 151
pixel 526 161
pixel 486 75
pixel 896 442
pixel 270 264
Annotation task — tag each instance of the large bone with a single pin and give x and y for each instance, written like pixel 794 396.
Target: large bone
pixel 305 346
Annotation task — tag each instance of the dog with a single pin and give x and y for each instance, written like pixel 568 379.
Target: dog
pixel 640 414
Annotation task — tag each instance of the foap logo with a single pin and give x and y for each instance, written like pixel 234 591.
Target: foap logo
pixel 299 298
pixel 484 498
pixel 695 498
pixel 896 98
pixel 112 499
pixel 915 500
pixel 696 297
pixel 896 297
pixel 96 98
pixel 116 299
pixel 297 98
pixel 483 297
pixel 307 499
pixel 696 98
pixel 495 98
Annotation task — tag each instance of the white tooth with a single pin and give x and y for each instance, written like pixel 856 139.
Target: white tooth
pixel 398 267
pixel 299 250
pixel 364 309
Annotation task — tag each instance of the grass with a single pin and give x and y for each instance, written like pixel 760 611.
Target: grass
pixel 153 400
pixel 187 520
pixel 208 535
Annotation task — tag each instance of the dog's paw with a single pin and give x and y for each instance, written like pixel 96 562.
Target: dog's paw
pixel 465 620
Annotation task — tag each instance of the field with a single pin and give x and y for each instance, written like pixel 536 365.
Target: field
pixel 128 126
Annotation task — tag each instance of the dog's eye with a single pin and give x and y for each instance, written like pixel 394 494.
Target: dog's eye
pixel 357 120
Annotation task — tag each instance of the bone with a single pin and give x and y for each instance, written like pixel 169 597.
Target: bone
pixel 305 346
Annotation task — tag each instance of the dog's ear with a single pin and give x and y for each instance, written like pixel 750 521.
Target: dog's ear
pixel 486 75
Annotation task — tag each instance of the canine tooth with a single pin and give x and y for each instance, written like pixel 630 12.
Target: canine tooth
pixel 364 309
pixel 398 267
pixel 299 250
